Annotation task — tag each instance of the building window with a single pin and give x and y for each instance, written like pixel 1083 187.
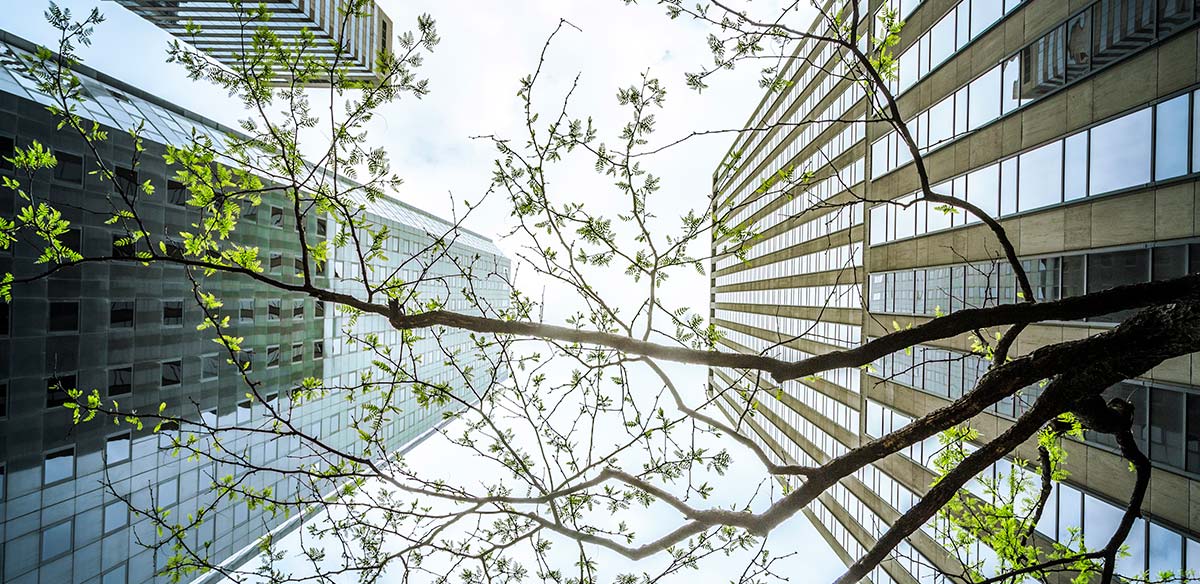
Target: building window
pixel 246 360
pixel 276 262
pixel 322 226
pixel 56 390
pixel 297 352
pixel 126 180
pixel 298 308
pixel 59 465
pixel 244 411
pixel 298 265
pixel 56 541
pixel 7 150
pixel 319 308
pixel 246 310
pixel 3 408
pixel 120 380
pixel 249 212
pixel 276 217
pixel 172 313
pixel 210 366
pixel 122 247
pixel 116 448
pixel 1120 153
pixel 64 316
pixel 318 349
pixel 69 167
pixel 177 193
pixel 120 314
pixel 115 575
pixel 116 516
pixel 273 309
pixel 272 356
pixel 171 372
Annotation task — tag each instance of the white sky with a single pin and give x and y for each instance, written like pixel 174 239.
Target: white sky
pixel 486 47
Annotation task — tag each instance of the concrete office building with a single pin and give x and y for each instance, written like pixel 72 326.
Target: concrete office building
pixel 129 331
pixel 362 36
pixel 1077 124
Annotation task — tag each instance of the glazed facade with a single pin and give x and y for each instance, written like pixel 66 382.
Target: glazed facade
pixel 362 36
pixel 1077 124
pixel 129 331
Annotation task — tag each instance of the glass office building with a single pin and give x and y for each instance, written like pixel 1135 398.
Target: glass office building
pixel 130 331
pixel 1074 123
pixel 362 36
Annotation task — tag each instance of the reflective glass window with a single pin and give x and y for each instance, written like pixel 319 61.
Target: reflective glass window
pixel 59 465
pixel 56 541
pixel 120 381
pixel 1166 426
pixel 1075 171
pixel 1043 65
pixel 984 13
pixel 1117 268
pixel 1165 550
pixel 1171 138
pixel 941 39
pixel 983 189
pixel 1169 262
pixel 171 371
pixel 69 167
pixel 1040 182
pixel 984 100
pixel 120 314
pixel 116 449
pixel 938 290
pixel 1120 153
pixel 1119 28
pixel 1193 436
pixel 1079 46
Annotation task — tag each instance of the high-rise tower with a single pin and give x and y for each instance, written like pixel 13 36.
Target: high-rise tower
pixel 1077 125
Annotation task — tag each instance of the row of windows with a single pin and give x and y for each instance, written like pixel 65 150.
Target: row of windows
pixel 1106 32
pixel 844 377
pixel 826 296
pixel 961 25
pixel 1152 546
pixel 64 315
pixel 839 413
pixel 749 141
pixel 841 257
pixel 1149 145
pixel 941 290
pixel 829 333
pixel 1161 411
pixel 840 180
pixel 825 225
pixel 120 379
pixel 784 416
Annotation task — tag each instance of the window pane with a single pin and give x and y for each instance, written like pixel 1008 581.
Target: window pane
pixel 1165 551
pixel 1120 27
pixel 1193 437
pixel 941 40
pixel 246 310
pixel 1075 167
pixel 172 312
pixel 209 367
pixel 1166 426
pixel 64 316
pixel 984 13
pixel 1171 138
pixel 120 381
pixel 1040 182
pixel 1010 95
pixel 1169 262
pixel 170 373
pixel 1043 65
pixel 56 541
pixel 938 287
pixel 878 293
pixel 69 167
pixel 60 465
pixel 1117 268
pixel 985 99
pixel 1120 153
pixel 1079 46
pixel 116 449
pixel 983 189
pixel 116 515
pixel 941 123
pixel 121 314
pixel 1100 521
pixel 1072 276
pixel 1043 278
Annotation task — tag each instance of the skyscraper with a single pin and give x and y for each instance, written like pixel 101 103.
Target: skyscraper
pixel 224 29
pixel 129 331
pixel 1074 123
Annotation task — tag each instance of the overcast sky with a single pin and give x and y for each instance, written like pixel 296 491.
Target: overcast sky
pixel 486 47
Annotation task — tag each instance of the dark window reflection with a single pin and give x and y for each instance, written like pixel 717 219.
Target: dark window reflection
pixel 1118 268
pixel 1043 65
pixel 1166 427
